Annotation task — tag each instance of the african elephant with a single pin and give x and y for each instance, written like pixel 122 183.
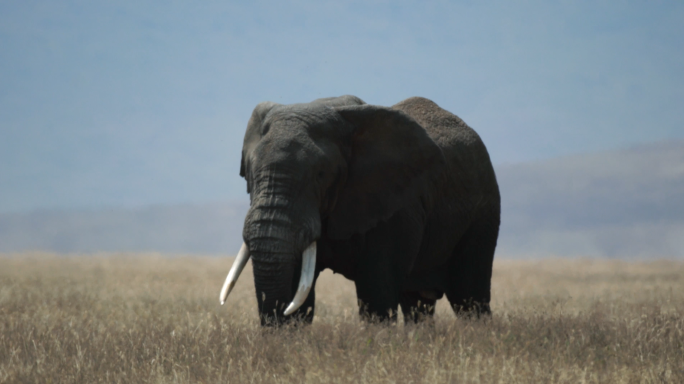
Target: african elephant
pixel 403 201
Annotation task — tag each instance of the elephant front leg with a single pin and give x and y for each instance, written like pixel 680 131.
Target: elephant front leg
pixel 377 285
pixel 377 303
pixel 388 252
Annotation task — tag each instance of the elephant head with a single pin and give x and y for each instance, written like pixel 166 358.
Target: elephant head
pixel 321 171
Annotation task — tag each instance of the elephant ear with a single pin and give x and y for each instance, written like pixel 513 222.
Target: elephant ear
pixel 254 133
pixel 393 162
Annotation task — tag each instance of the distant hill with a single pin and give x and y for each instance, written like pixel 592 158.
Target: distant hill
pixel 207 229
pixel 620 204
pixel 627 203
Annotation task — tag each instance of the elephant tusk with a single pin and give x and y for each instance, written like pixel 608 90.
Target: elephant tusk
pixel 305 280
pixel 235 270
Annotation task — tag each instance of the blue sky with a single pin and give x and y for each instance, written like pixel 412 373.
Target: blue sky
pixel 116 103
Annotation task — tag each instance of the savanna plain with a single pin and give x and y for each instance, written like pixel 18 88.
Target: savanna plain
pixel 146 318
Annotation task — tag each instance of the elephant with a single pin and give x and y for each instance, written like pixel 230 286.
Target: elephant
pixel 401 200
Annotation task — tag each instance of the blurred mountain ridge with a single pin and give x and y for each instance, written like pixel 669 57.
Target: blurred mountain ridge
pixel 623 204
pixel 188 228
pixel 619 204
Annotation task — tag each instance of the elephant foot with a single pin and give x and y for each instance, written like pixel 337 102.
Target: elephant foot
pixel 419 306
pixel 373 315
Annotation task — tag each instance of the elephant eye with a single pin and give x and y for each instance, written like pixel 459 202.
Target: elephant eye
pixel 321 174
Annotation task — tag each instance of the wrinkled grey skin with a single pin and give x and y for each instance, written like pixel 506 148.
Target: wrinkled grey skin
pixel 401 200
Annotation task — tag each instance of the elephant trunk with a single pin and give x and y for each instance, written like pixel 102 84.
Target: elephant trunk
pixel 276 245
pixel 273 276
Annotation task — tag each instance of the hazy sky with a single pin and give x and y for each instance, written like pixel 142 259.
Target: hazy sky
pixel 110 103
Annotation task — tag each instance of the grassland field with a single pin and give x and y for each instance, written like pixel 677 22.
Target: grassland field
pixel 147 318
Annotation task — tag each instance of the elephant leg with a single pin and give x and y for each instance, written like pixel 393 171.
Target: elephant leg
pixel 376 304
pixel 469 288
pixel 377 293
pixel 388 251
pixel 377 285
pixel 416 307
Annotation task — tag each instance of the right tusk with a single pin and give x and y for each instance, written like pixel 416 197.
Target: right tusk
pixel 305 280
pixel 235 270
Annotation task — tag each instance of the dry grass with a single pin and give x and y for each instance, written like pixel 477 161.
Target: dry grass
pixel 147 318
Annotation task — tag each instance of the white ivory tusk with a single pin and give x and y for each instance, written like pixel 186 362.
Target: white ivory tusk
pixel 305 280
pixel 235 270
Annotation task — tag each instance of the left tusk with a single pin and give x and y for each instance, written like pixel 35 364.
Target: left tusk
pixel 235 270
pixel 305 280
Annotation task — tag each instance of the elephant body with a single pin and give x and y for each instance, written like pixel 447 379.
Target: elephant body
pixel 403 201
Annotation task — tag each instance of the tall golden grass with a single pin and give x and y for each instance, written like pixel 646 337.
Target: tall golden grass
pixel 141 318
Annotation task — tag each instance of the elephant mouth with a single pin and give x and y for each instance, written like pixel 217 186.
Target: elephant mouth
pixel 305 280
